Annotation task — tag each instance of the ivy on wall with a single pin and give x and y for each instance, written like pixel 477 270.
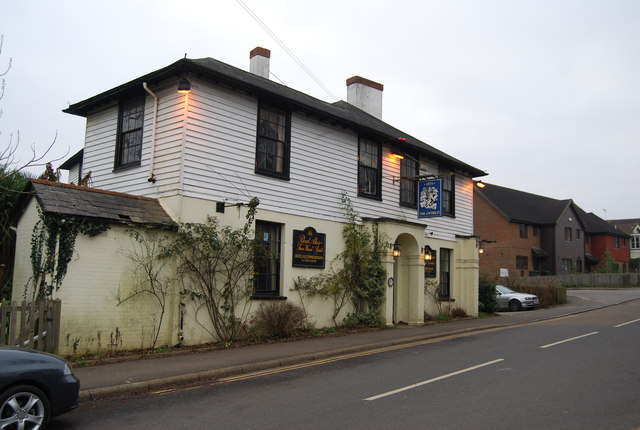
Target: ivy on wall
pixel 53 244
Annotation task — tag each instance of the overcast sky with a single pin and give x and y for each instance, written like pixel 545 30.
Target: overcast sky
pixel 542 95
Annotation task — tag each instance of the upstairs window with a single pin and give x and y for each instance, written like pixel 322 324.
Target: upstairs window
pixel 523 231
pixel 635 242
pixel 273 141
pixel 409 169
pixel 448 192
pixel 568 235
pixel 369 169
pixel 578 234
pixel 616 242
pixel 130 126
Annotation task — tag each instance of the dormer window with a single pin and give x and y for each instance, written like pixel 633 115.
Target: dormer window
pixel 273 141
pixel 130 128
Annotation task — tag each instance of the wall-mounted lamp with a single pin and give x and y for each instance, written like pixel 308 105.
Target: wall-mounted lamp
pixel 480 184
pixel 428 253
pixel 396 249
pixel 397 156
pixel 482 242
pixel 184 86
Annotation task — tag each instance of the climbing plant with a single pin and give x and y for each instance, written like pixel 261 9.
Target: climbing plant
pixel 216 264
pixel 361 275
pixel 52 246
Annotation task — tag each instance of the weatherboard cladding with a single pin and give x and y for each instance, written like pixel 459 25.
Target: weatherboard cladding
pixel 57 198
pixel 233 77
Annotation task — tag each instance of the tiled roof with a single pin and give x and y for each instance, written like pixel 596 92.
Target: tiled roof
pixel 221 73
pixel 98 205
pixel 519 206
pixel 626 225
pixel 529 208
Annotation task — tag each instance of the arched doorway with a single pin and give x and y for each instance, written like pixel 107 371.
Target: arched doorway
pixel 408 294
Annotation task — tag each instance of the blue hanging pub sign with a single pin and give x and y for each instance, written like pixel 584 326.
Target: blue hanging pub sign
pixel 430 198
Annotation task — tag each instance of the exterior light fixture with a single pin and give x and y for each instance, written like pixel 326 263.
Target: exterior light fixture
pixel 480 184
pixel 428 253
pixel 396 249
pixel 397 156
pixel 184 86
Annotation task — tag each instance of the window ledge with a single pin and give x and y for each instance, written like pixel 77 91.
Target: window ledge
pixel 266 297
pixel 447 299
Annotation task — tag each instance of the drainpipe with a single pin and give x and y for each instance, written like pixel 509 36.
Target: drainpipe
pixel 152 177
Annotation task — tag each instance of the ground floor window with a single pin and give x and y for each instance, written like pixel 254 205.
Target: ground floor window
pixel 445 273
pixel 522 262
pixel 267 271
pixel 566 265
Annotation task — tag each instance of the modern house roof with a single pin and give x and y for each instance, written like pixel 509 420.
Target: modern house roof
pixel 223 74
pixel 627 225
pixel 96 205
pixel 596 225
pixel 519 206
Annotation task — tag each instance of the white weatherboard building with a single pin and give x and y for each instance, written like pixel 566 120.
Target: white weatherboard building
pixel 237 135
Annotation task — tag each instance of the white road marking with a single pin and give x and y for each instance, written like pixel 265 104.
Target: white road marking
pixel 569 340
pixel 419 384
pixel 628 322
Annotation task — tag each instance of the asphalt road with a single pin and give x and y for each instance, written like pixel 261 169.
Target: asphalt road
pixel 578 372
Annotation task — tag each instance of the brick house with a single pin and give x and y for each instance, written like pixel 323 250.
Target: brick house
pixel 529 234
pixel 632 228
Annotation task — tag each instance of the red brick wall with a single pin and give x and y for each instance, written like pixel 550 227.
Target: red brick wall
pixel 489 224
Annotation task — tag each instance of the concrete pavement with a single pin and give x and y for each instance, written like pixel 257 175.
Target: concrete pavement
pixel 150 374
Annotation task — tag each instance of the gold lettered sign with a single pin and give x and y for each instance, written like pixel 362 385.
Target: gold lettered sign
pixel 430 266
pixel 308 248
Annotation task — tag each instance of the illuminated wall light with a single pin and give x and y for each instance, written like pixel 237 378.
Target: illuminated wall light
pixel 397 156
pixel 184 86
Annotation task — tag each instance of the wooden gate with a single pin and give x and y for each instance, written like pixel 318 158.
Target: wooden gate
pixel 33 325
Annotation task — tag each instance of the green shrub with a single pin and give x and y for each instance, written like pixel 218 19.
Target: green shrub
pixel 487 301
pixel 367 319
pixel 279 320
pixel 550 293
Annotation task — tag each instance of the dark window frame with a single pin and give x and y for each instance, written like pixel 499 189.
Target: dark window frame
pixel 524 231
pixel 445 273
pixel 266 284
pixel 448 192
pixel 408 181
pixel 616 243
pixel 267 145
pixel 365 168
pixel 130 133
pixel 568 234
pixel 522 262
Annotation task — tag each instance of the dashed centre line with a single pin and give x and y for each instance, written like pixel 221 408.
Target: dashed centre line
pixel 429 381
pixel 628 322
pixel 568 340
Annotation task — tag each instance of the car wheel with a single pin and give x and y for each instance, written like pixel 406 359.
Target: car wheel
pixel 24 407
pixel 515 305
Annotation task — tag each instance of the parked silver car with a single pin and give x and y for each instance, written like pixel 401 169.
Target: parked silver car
pixel 34 386
pixel 514 301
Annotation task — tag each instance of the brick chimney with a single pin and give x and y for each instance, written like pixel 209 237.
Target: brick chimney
pixel 259 64
pixel 366 95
